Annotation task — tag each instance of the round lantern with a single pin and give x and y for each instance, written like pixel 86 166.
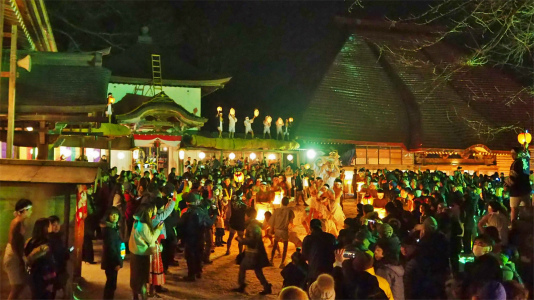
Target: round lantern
pixel 252 156
pixel 524 137
pixel 290 120
pixel 311 154
pixel 256 112
pixel 181 154
pixel 202 155
pixel 271 157
pixel 219 109
pixel 307 166
pixel 232 111
pixel 290 157
pixel 232 155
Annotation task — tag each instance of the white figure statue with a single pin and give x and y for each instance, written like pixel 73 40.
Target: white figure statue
pixel 279 125
pixel 267 126
pixel 231 124
pixel 220 127
pixel 248 127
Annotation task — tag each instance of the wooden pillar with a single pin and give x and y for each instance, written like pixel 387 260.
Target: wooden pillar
pixel 43 143
pixel 78 240
pixel 1 38
pixel 11 96
pixel 109 154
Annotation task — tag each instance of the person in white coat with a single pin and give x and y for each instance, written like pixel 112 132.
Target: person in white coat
pixel 220 127
pixel 266 127
pixel 279 125
pixel 248 127
pixel 231 125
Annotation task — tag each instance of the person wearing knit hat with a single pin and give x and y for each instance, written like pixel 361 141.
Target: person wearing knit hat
pixel 322 288
pixel 385 230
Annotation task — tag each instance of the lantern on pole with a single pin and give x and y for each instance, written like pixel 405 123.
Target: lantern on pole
pixel 524 138
pixel 111 100
pixel 219 109
pixel 290 120
pixel 232 111
pixel 256 112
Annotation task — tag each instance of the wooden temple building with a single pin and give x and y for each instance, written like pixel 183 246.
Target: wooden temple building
pixel 384 99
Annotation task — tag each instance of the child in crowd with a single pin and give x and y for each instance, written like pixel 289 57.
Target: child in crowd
pixel 296 272
pixel 219 231
pixel 322 288
pixel 111 254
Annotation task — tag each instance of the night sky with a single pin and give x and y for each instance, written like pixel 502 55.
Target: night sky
pixel 276 51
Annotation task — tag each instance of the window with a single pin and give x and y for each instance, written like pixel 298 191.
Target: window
pixel 383 156
pixel 372 156
pixel 361 156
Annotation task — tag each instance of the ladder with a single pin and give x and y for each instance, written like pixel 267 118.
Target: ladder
pixel 157 82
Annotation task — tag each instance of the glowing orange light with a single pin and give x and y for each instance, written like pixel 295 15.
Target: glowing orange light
pixel 219 109
pixel 256 112
pixel 524 137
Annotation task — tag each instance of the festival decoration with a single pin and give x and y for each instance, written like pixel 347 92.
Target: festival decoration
pixel 524 138
pixel 256 112
pixel 232 111
pixel 202 155
pixel 232 156
pixel 252 156
pixel 181 154
pixel 290 157
pixel 219 109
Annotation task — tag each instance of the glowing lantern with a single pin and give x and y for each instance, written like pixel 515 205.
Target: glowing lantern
pixel 307 166
pixel 201 155
pixel 269 119
pixel 135 154
pixel 253 156
pixel 290 157
pixel 256 112
pixel 120 155
pixel 165 149
pixel 232 155
pixel 290 120
pixel 524 138
pixel 232 111
pixel 181 154
pixel 29 128
pixel 271 157
pixel 111 100
pixel 311 153
pixel 219 109
pixel 239 177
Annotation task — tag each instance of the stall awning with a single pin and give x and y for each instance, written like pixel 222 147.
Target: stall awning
pixel 145 140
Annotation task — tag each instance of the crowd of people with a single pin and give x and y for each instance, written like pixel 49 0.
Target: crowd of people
pixel 442 236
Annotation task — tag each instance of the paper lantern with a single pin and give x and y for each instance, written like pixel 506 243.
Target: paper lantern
pixel 307 166
pixel 311 154
pixel 120 155
pixel 290 120
pixel 256 112
pixel 271 157
pixel 201 155
pixel 290 157
pixel 524 137
pixel 111 100
pixel 269 119
pixel 253 156
pixel 219 109
pixel 239 177
pixel 181 154
pixel 232 111
pixel 231 156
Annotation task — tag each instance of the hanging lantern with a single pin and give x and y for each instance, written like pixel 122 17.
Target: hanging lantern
pixel 219 109
pixel 256 112
pixel 272 157
pixel 269 119
pixel 524 138
pixel 252 156
pixel 202 155
pixel 239 177
pixel 157 143
pixel 232 111
pixel 290 157
pixel 232 155
pixel 290 120
pixel 181 154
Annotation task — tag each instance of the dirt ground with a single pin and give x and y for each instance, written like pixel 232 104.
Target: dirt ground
pixel 217 280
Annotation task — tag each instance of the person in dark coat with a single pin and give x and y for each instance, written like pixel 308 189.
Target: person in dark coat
pixel 111 254
pixel 255 257
pixel 61 253
pixel 318 249
pixel 192 224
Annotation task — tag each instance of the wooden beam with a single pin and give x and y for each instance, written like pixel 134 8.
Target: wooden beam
pixel 11 94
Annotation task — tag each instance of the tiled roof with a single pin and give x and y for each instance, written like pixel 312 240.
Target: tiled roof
pixel 56 85
pixel 354 102
pixel 367 96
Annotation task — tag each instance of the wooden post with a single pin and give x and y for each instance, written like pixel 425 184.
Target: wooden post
pixel 11 96
pixel 78 240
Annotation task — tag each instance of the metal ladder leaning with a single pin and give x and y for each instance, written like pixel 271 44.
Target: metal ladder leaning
pixel 157 82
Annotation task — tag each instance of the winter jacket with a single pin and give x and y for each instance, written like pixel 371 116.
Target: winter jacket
pixel 519 181
pixel 161 216
pixel 255 254
pixel 142 238
pixel 111 254
pixel 394 275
